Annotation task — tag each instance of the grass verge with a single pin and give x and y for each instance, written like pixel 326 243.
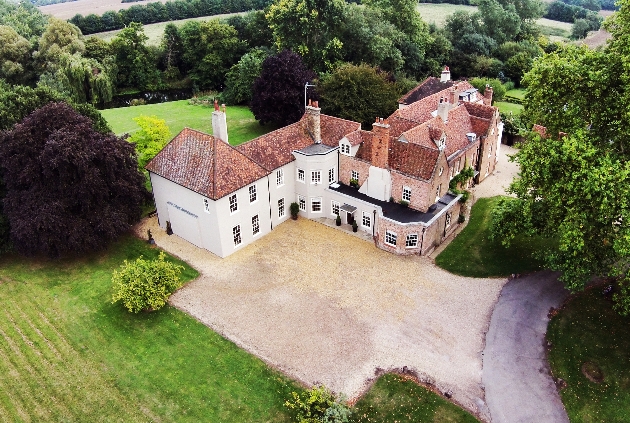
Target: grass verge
pixel 242 126
pixel 473 253
pixel 68 354
pixel 506 107
pixel 394 398
pixel 588 330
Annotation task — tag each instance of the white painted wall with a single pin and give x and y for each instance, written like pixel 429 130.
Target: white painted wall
pixel 378 184
pixel 311 190
pixel 211 229
pixel 361 206
pixel 286 191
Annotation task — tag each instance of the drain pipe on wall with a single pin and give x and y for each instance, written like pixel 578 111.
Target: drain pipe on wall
pixel 374 224
pixel 270 214
pixel 422 241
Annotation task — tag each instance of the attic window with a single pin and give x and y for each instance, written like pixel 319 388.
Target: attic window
pixel 345 149
pixel 442 142
pixel 472 137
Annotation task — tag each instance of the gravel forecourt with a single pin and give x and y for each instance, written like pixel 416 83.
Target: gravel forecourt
pixel 326 307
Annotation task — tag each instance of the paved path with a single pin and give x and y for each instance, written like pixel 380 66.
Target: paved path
pixel 516 376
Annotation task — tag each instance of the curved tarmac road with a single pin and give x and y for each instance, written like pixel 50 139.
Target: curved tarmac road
pixel 519 388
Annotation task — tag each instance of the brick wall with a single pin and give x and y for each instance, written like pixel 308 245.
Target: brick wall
pixel 488 158
pixel 428 237
pixel 347 164
pixel 420 190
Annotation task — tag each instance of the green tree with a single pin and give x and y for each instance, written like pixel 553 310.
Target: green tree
pixel 172 51
pixel 240 78
pixel 576 187
pixel 150 139
pixel 498 89
pixel 210 48
pixel 145 285
pixel 59 37
pixel 308 27
pixel 135 62
pixel 15 60
pixel 358 93
pixel 25 18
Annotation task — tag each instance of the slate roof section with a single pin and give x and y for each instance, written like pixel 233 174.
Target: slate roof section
pixel 430 86
pixel 205 164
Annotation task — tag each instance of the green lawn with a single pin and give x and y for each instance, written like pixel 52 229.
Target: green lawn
pixel 505 107
pixel 472 253
pixel 396 399
pixel 179 114
pixel 68 354
pixel 587 330
pixel 517 93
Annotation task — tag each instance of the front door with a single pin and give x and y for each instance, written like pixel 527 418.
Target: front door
pixel 350 218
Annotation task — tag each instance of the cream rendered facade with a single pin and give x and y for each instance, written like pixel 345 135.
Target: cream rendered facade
pixel 210 224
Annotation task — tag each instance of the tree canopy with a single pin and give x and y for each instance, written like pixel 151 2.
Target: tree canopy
pixel 358 93
pixel 574 183
pixel 278 93
pixel 69 188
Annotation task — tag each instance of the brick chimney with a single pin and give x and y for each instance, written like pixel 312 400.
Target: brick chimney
pixel 446 75
pixel 380 143
pixel 313 126
pixel 487 95
pixel 219 123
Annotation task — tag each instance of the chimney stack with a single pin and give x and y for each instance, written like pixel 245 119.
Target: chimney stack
pixel 219 123
pixel 313 126
pixel 446 75
pixel 443 108
pixel 487 95
pixel 380 143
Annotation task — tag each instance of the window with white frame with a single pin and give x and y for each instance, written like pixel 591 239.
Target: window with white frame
pixel 281 210
pixel 437 192
pixel 411 241
pixel 206 205
pixel 441 171
pixel 450 173
pixel 331 175
pixel 279 177
pixel 255 225
pixel 334 208
pixel 406 194
pixel 302 202
pixel 367 219
pixel 233 203
pixel 390 238
pixel 236 232
pixel 448 219
pixel 354 175
pixel 316 204
pixel 490 151
pixel 345 149
pixel 316 176
pixel 252 194
pixel 459 163
pixel 300 175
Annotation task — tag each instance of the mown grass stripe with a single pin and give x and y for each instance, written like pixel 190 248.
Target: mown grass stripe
pixel 77 375
pixel 23 385
pixel 11 408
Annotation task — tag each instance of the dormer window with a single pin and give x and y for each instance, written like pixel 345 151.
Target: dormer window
pixel 345 149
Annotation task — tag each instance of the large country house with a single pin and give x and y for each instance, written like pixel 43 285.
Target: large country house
pixel 393 180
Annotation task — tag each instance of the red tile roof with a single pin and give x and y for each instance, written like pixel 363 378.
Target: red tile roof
pixel 205 164
pixel 334 129
pixel 420 111
pixel 430 86
pixel 413 159
pixel 274 149
pixel 357 137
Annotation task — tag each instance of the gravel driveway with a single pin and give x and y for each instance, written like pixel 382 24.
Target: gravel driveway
pixel 326 307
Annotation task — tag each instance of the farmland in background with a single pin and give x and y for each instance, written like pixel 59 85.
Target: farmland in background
pixel 85 7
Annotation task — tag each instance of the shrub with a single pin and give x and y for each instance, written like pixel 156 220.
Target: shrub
pixel 404 203
pixel 354 183
pixel 318 405
pixel 145 284
pixel 295 209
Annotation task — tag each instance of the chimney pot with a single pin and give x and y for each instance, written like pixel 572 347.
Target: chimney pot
pixel 316 104
pixel 216 105
pixel 223 107
pixel 310 102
